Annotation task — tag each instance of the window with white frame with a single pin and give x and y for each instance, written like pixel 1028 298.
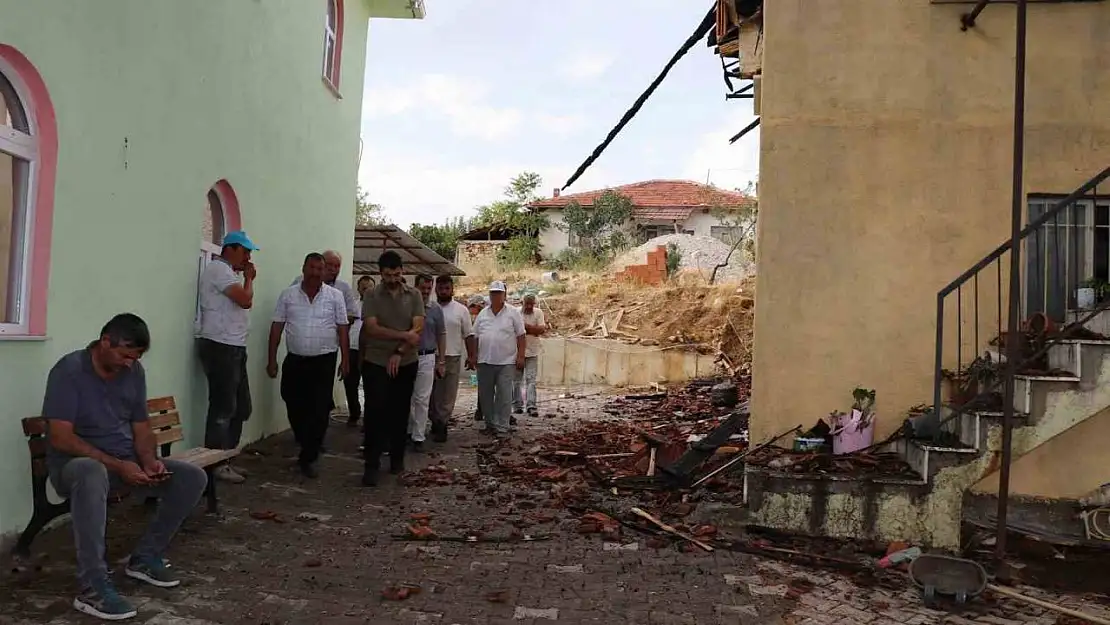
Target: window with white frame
pixel 332 43
pixel 18 157
pixel 1069 250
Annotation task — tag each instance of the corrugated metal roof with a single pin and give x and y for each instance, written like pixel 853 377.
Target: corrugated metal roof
pixel 371 241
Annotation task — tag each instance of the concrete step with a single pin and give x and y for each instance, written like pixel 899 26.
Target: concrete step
pixel 1082 357
pixel 928 459
pixel 971 429
pixel 1031 392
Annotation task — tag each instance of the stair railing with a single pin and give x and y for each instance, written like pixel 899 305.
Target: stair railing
pixel 1056 247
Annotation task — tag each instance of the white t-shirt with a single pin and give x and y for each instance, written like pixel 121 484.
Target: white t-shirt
pixel 221 319
pixel 497 335
pixel 457 319
pixel 532 343
pixel 311 327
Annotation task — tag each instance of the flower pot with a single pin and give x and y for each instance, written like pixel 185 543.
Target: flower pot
pixel 1085 298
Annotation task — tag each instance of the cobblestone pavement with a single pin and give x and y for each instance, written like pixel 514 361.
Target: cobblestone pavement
pixel 330 554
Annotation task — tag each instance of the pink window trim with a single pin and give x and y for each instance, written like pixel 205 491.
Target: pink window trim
pixel 229 202
pixel 41 110
pixel 338 52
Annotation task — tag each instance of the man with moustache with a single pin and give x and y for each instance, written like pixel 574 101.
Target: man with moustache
pixel 459 336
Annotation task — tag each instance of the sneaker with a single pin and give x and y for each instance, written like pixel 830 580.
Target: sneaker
pixel 439 433
pixel 152 571
pixel 518 411
pixel 309 470
pixel 102 601
pixel 227 474
pixel 418 446
pixel 512 420
pixel 477 416
pixel 532 412
pixel 369 477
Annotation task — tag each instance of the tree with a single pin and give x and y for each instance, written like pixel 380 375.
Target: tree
pixel 602 230
pixel 520 192
pixel 366 212
pixel 441 239
pixel 512 214
pixel 740 222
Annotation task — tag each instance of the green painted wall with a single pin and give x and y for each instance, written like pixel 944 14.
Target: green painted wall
pixel 197 91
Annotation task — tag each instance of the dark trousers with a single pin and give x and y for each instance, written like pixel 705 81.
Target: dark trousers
pixel 306 384
pixel 387 419
pixel 350 384
pixel 229 393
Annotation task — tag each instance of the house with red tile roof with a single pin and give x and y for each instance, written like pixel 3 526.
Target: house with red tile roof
pixel 659 207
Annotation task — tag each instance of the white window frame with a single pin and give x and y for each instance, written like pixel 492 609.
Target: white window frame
pixel 331 43
pixel 23 147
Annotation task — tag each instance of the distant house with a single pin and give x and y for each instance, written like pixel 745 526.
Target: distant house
pixel 660 207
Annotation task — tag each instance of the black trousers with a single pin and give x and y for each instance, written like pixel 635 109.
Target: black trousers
pixel 229 393
pixel 387 419
pixel 350 385
pixel 306 384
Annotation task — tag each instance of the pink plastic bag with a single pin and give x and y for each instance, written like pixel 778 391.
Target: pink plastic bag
pixel 848 436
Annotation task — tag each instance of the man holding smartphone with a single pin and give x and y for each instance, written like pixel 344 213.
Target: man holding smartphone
pixel 99 437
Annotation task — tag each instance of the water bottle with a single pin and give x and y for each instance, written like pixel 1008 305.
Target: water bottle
pixel 474 379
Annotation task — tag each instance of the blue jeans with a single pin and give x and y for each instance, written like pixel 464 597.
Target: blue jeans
pixel 86 482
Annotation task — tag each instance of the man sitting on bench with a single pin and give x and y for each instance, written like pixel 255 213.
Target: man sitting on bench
pixel 101 441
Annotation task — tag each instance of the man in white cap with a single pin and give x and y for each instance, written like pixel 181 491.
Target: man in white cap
pixel 499 330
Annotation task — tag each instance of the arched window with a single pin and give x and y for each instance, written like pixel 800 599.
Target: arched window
pixel 212 229
pixel 221 215
pixel 28 154
pixel 333 42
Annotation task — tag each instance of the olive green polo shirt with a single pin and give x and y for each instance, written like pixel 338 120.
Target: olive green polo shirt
pixel 394 311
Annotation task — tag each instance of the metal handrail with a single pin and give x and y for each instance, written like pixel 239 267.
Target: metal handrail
pixel 972 274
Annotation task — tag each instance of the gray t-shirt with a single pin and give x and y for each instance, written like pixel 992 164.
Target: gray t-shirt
pixel 100 410
pixel 434 326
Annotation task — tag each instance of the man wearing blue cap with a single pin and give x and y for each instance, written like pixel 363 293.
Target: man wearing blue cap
pixel 223 322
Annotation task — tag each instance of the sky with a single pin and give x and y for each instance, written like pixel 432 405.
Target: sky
pixel 458 103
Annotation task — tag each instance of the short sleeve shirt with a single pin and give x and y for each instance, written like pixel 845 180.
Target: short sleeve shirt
pixel 434 327
pixel 395 312
pixel 101 411
pixel 350 296
pixel 497 334
pixel 311 326
pixel 221 319
pixel 456 318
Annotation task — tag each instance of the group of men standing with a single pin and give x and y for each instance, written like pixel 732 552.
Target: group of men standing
pixel 407 349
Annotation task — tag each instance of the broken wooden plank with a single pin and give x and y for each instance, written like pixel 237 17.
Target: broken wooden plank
pixel 670 530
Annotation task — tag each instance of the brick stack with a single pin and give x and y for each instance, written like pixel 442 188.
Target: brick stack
pixel 654 272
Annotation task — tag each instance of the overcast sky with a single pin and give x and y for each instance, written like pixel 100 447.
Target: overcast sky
pixel 480 90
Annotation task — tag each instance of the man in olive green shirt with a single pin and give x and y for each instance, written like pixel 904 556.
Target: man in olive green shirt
pixel 392 320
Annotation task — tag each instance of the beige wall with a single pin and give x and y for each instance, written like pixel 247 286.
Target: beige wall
pixel 1040 473
pixel 885 172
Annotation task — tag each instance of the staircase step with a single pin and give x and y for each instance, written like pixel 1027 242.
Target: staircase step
pixel 928 459
pixel 1031 391
pixel 971 428
pixel 1083 357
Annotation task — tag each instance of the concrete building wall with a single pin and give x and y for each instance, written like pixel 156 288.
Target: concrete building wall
pixel 156 101
pixel 552 239
pixel 885 173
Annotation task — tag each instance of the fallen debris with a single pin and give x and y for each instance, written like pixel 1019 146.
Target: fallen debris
pixel 670 530
pixel 400 593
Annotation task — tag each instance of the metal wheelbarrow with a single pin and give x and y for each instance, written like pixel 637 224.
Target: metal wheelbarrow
pixel 938 575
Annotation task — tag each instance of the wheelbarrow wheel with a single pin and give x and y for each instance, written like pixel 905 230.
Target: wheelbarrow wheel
pixel 929 596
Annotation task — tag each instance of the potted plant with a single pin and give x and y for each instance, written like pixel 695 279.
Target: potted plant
pixel 857 430
pixel 1090 292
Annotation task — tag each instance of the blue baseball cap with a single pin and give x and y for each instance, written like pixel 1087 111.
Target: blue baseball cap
pixel 239 237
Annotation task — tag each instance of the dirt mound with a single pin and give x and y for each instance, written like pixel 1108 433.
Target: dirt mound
pixel 708 318
pixel 698 254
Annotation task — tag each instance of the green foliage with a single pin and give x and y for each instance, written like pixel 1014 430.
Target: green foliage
pixel 674 259
pixel 512 213
pixel 741 221
pixel 442 239
pixel 368 213
pixel 602 230
pixel 574 259
pixel 519 252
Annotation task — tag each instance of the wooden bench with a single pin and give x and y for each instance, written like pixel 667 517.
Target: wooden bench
pixel 165 420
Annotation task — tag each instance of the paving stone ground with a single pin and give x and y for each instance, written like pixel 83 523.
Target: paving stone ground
pixel 331 565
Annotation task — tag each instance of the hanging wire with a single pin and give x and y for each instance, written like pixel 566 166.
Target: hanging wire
pixel 707 24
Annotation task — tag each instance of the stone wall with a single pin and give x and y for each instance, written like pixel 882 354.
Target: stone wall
pixel 478 257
